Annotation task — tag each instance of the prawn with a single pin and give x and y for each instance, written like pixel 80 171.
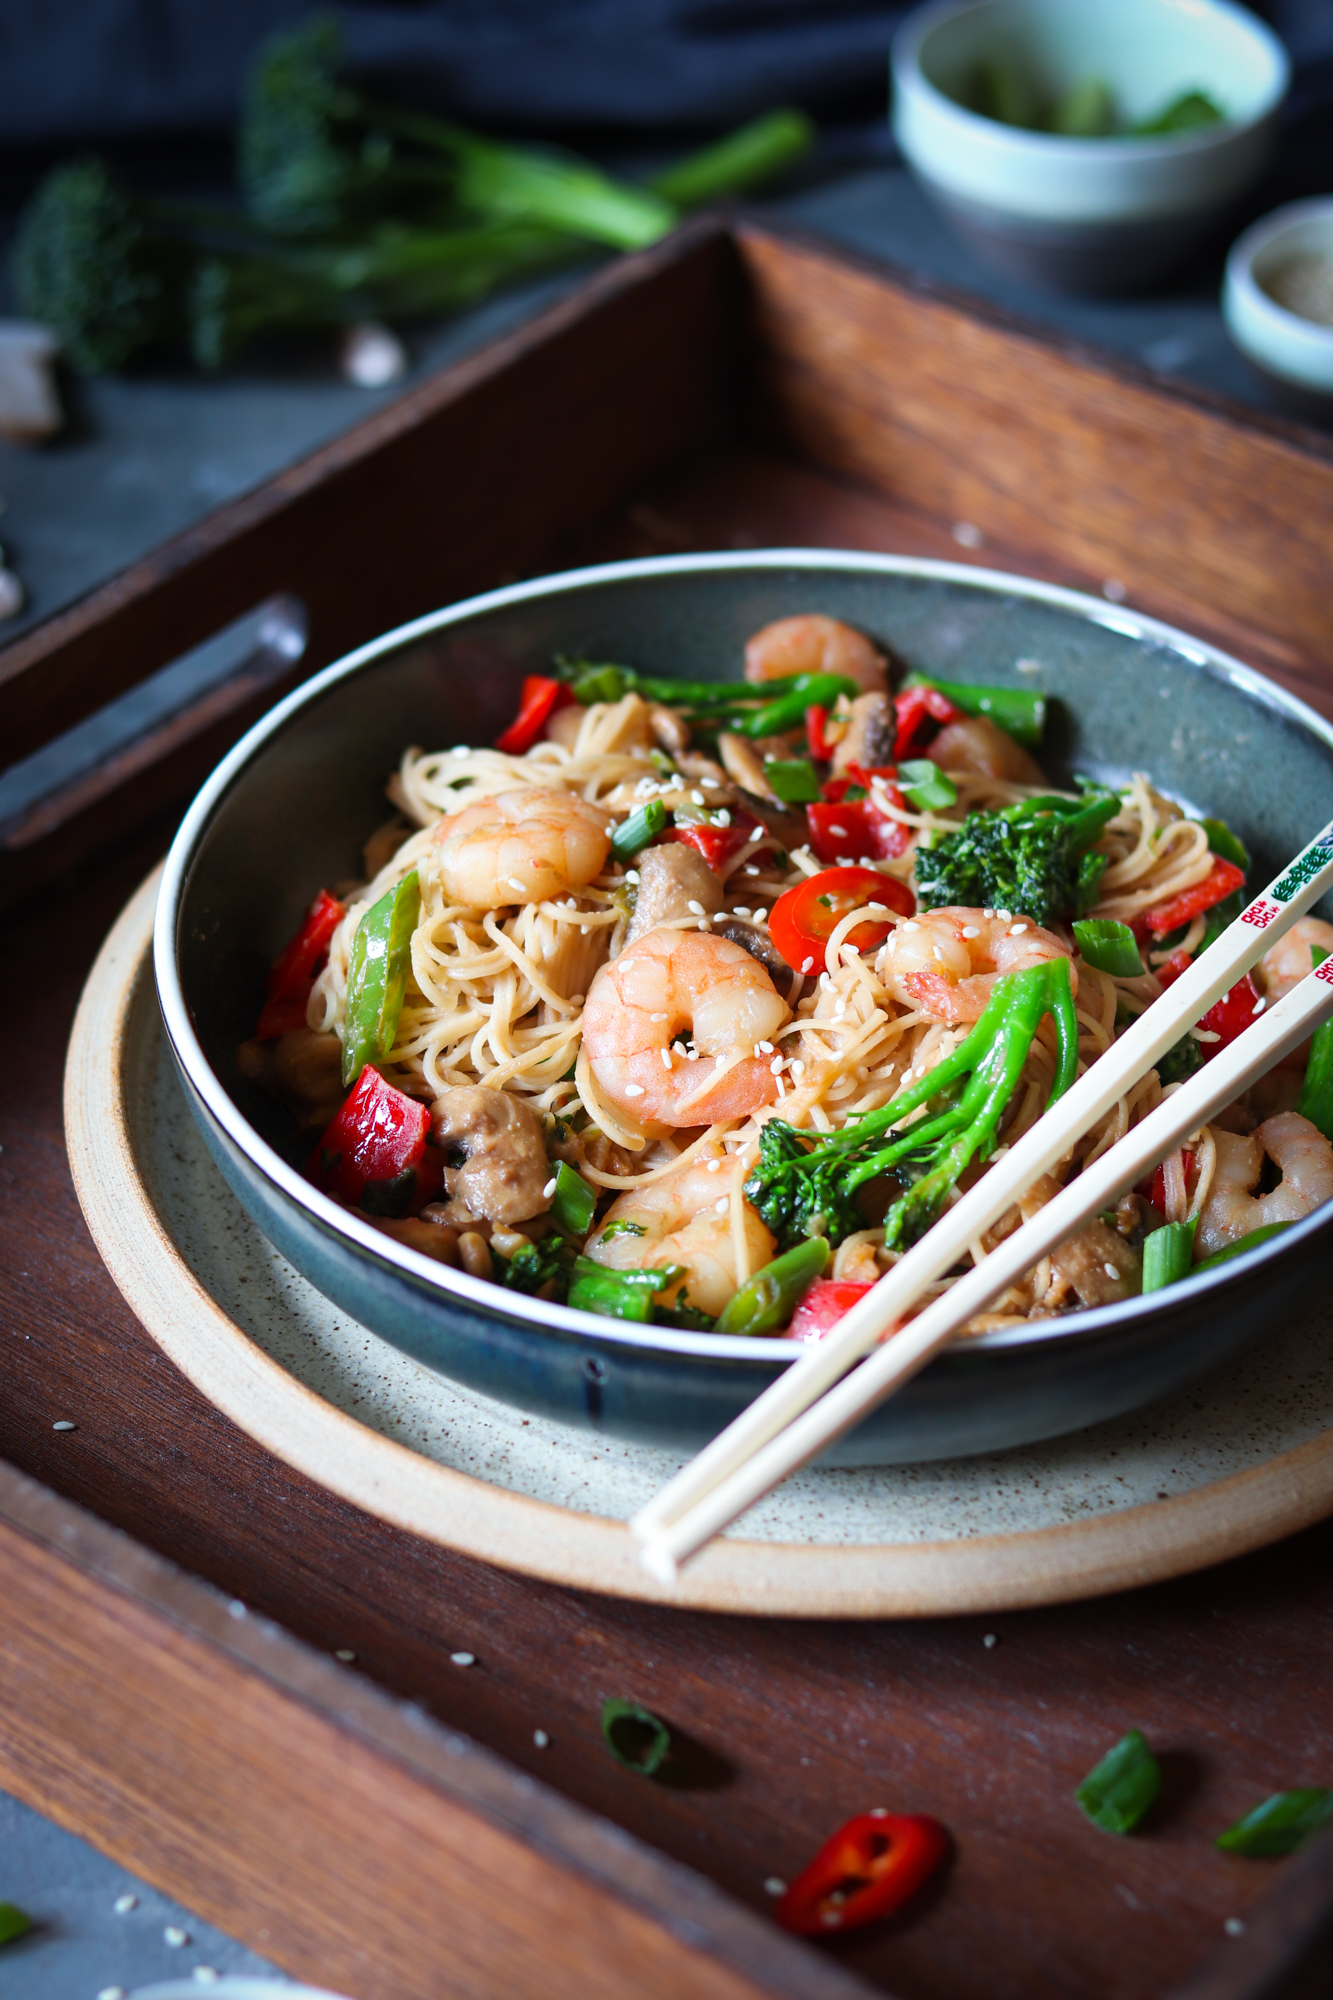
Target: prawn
pixel 520 847
pixel 1231 1210
pixel 1288 961
pixel 667 984
pixel 978 744
pixel 815 645
pixel 945 962
pixel 685 1219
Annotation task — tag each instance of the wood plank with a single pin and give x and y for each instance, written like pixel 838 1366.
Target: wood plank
pixel 951 411
pixel 357 1842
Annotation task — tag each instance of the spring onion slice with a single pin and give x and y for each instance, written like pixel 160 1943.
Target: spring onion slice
pixel 636 831
pixel 1221 840
pixel 1240 1246
pixel 1117 1792
pixel 1281 1824
pixel 1167 1255
pixel 772 1295
pixel 574 1203
pixel 596 1288
pixel 1108 947
pixel 636 1737
pixel 794 780
pixel 925 786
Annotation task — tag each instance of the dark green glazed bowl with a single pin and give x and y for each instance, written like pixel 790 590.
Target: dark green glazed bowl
pixel 289 810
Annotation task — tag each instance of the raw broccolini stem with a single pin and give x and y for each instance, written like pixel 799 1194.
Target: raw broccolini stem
pixel 804 1189
pixel 766 708
pixel 771 1296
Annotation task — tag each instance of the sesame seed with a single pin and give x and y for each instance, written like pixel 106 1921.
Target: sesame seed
pixel 713 1166
pixel 207 1975
pixel 657 1017
pixel 345 1654
pixel 514 883
pixel 909 924
pixel 541 1739
pixel 666 1057
pixel 695 908
pixel 632 875
pixel 678 1048
pixel 1005 916
pixel 696 798
pixel 841 1006
pixel 797 1066
pixel 782 1088
pixel 175 1936
pixel 775 1886
pixel 464 1659
pixel 124 1904
pixel 878 909
pixel 64 1424
pixel 549 1189
pixel 807 965
pixel 988 913
pixel 763 1048
pixel 740 911
pixel 460 750
pixel 840 831
pixel 776 1065
pixel 937 953
pixel 991 1639
pixel 236 1609
pixel 691 1055
pixel 970 931
pixel 721 1207
pixel 1259 1005
pixel 1110 1270
pixel 634 1090
pixel 1017 930
pixel 751 868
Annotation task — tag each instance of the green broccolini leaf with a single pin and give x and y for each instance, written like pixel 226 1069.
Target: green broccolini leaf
pixel 549 1262
pixel 1032 859
pixel 1180 1061
pixel 808 1187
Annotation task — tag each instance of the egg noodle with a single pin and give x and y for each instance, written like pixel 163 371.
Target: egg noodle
pixel 496 997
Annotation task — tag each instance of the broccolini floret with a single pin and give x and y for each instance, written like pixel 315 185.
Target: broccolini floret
pixel 1033 859
pixel 804 1187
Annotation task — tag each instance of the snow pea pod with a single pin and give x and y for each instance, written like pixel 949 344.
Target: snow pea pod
pixel 377 976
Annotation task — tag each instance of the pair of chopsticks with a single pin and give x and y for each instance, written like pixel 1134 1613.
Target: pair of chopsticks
pixel 811 1404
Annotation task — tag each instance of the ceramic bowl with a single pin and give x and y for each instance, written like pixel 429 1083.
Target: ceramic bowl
pixel 1295 354
pixel 1087 215
pixel 291 805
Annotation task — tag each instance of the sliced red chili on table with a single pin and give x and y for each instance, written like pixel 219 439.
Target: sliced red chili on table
pixel 292 976
pixel 915 707
pixel 375 1152
pixel 1221 881
pixel 540 699
pixel 823 1305
pixel 803 919
pixel 870 1868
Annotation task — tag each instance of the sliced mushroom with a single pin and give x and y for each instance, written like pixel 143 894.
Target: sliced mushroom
pixel 978 744
pixel 498 1170
pixel 671 879
pixel 756 940
pixel 742 762
pixel 1097 1264
pixel 871 735
pixel 420 1232
pixel 670 729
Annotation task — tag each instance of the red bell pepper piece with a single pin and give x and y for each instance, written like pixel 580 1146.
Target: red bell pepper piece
pixel 291 977
pixel 915 707
pixel 803 919
pixel 374 1153
pixel 1169 971
pixel 718 844
pixel 1221 881
pixel 1231 1015
pixel 871 1867
pixel 823 1305
pixel 856 829
pixel 1154 1188
pixel 540 699
pixel 836 789
pixel 820 747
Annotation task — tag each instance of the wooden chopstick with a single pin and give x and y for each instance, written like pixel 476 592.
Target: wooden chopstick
pixel 1263 920
pixel 912 1346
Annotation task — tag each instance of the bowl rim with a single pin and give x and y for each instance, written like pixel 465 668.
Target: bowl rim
pixel 563 1321
pixel 908 74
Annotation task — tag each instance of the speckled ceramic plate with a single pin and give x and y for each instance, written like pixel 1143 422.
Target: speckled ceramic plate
pixel 1201 1476
pixel 292 804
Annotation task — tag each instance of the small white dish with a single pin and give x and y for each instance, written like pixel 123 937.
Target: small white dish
pixel 1087 215
pixel 1295 353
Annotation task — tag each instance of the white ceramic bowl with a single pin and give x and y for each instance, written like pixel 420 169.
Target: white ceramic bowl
pixel 1088 215
pixel 1295 353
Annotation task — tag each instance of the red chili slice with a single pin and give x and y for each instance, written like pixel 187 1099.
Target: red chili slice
pixel 803 919
pixel 823 1305
pixel 1169 971
pixel 1221 881
pixel 857 829
pixel 871 1867
pixel 540 699
pixel 820 747
pixel 718 844
pixel 374 1153
pixel 1231 1015
pixel 292 976
pixel 915 707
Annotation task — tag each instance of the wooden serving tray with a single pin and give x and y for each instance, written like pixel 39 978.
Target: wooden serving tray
pixel 730 387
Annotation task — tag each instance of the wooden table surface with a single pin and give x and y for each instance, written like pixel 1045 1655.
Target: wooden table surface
pixel 794 1725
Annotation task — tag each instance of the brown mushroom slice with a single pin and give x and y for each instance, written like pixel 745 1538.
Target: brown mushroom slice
pixel 871 735
pixel 756 940
pixel 978 744
pixel 672 881
pixel 496 1149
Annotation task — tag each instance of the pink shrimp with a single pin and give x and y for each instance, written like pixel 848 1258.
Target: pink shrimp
pixel 945 962
pixel 815 645
pixel 670 984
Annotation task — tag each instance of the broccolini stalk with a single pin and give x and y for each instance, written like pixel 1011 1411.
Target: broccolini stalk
pixel 764 708
pixel 810 1189
pixel 1033 859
